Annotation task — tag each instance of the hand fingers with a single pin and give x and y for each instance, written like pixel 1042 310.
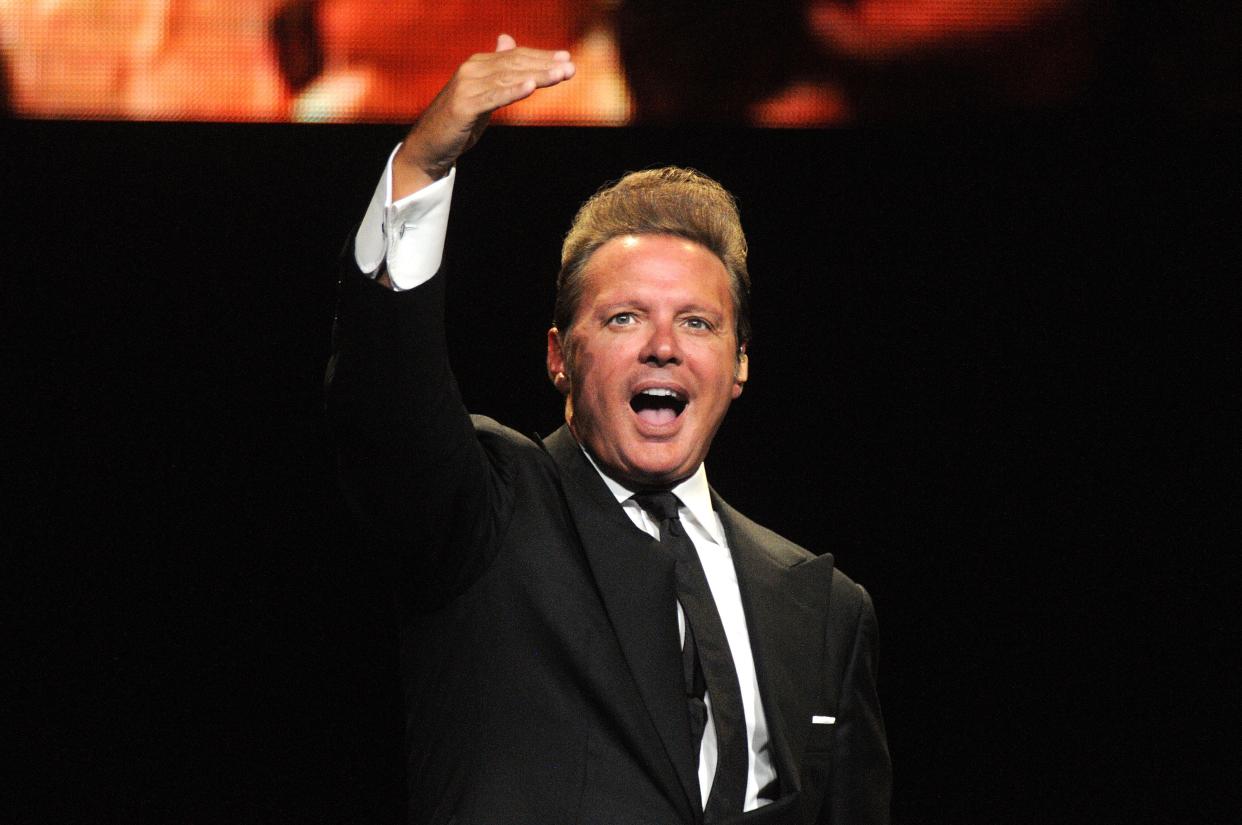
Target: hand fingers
pixel 558 73
pixel 543 75
pixel 519 56
pixel 506 43
pixel 512 78
pixel 518 84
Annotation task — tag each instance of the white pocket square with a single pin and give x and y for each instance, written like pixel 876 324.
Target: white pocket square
pixel 823 720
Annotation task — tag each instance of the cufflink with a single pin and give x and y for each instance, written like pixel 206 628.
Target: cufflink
pixel 823 720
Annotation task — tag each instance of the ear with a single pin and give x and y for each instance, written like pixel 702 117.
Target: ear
pixel 742 374
pixel 556 361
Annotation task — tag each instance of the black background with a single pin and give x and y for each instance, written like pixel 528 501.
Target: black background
pixel 990 374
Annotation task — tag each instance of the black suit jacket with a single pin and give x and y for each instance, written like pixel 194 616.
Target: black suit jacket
pixel 539 635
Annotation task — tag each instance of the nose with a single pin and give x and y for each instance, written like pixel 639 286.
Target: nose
pixel 662 347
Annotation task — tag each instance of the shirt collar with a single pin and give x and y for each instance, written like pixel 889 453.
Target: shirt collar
pixel 694 493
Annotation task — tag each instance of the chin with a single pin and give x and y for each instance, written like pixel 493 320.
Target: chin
pixel 661 473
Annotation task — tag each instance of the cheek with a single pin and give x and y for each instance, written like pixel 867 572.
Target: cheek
pixel 598 370
pixel 590 378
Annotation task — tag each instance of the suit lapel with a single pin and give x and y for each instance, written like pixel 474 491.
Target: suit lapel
pixel 637 586
pixel 786 606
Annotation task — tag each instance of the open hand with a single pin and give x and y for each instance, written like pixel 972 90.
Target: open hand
pixel 453 122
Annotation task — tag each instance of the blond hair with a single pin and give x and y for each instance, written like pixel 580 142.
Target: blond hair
pixel 667 201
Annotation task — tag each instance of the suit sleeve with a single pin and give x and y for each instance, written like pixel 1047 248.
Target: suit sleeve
pixel 862 776
pixel 409 461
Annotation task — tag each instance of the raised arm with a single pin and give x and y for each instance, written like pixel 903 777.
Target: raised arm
pixel 410 463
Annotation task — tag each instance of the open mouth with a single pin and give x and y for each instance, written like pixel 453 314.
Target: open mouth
pixel 658 405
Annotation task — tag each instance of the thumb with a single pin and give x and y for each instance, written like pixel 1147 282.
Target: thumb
pixel 504 43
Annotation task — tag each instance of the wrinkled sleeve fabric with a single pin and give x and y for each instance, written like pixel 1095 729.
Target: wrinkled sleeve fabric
pixel 406 238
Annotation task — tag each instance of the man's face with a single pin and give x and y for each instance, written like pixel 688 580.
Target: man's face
pixel 650 363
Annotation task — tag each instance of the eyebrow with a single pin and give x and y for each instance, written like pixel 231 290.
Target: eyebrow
pixel 635 303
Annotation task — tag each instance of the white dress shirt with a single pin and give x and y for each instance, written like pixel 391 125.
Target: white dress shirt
pixel 703 527
pixel 409 237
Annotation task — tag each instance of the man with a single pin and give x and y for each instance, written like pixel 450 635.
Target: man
pixel 589 634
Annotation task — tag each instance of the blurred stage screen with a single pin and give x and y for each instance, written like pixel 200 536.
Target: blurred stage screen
pixel 784 63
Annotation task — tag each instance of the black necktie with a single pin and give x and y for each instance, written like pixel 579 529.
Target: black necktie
pixel 706 660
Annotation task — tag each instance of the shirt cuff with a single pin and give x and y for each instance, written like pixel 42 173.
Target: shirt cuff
pixel 407 235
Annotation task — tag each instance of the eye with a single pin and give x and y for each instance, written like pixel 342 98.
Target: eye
pixel 622 319
pixel 698 323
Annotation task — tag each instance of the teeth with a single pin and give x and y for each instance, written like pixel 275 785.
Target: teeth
pixel 663 402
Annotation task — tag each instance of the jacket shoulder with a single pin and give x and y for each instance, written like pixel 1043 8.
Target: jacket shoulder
pixel 502 438
pixel 512 454
pixel 787 553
